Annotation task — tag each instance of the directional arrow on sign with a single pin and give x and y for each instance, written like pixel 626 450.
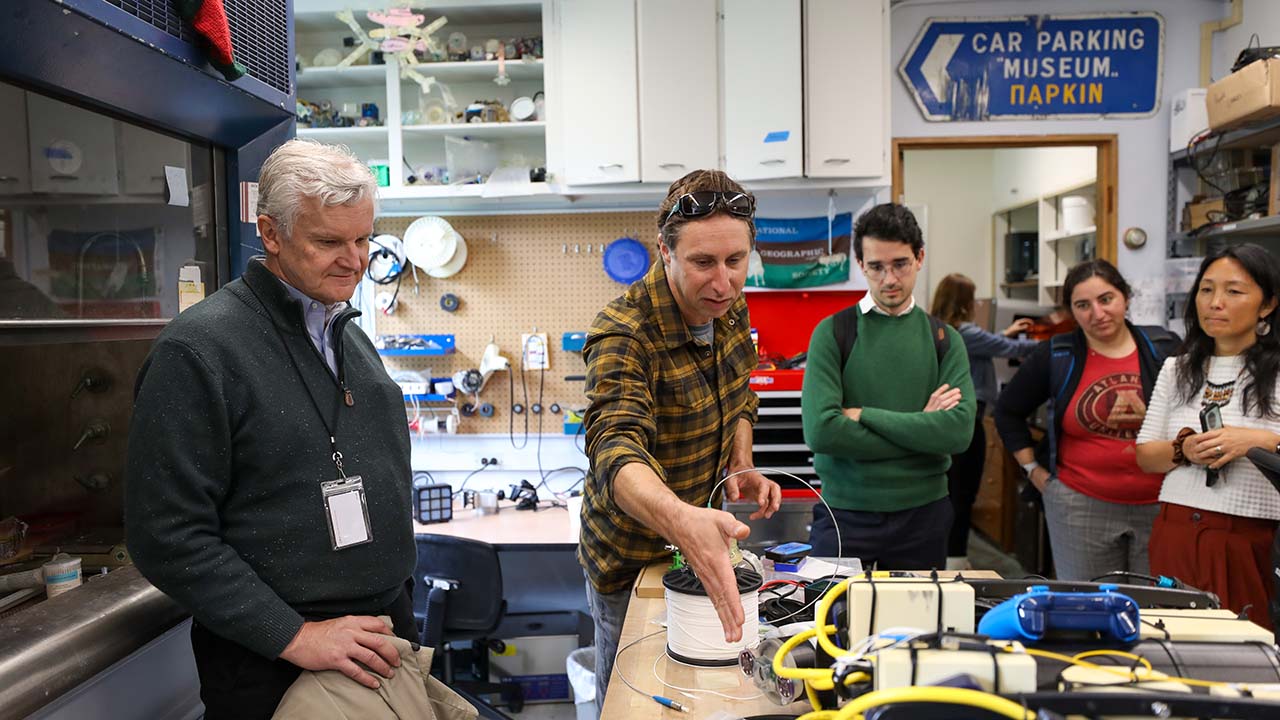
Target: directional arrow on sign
pixel 934 67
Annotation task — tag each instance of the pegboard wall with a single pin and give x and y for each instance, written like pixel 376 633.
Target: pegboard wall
pixel 522 272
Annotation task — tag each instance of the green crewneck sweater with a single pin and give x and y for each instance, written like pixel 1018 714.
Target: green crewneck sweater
pixel 896 456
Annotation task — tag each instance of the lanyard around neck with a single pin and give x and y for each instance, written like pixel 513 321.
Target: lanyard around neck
pixel 332 430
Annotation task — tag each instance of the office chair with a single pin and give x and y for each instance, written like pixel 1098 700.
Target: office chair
pixel 458 599
pixel 1269 463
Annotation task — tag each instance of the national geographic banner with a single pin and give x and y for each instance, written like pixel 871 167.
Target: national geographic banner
pixel 801 252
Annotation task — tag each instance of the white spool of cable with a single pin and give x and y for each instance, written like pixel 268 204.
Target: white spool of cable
pixel 694 633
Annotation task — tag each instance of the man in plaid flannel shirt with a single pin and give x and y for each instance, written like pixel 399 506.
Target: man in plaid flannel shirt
pixel 668 367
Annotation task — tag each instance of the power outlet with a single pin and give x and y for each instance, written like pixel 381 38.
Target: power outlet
pixel 488 461
pixel 535 351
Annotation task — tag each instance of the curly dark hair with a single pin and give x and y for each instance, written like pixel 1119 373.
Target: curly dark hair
pixel 697 181
pixel 1262 360
pixel 891 222
pixel 1098 268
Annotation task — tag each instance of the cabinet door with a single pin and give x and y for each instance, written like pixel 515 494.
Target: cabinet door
pixel 679 103
pixel 846 87
pixel 15 171
pixel 598 91
pixel 143 157
pixel 762 98
pixel 72 150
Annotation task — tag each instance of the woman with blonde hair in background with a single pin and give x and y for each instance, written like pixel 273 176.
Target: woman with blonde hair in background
pixel 953 303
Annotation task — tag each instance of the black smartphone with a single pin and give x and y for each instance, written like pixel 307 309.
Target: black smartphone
pixel 1210 419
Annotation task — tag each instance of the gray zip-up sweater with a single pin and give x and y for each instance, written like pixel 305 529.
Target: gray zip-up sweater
pixel 223 509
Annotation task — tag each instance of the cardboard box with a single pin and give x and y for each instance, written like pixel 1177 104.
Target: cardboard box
pixel 1246 96
pixel 1196 214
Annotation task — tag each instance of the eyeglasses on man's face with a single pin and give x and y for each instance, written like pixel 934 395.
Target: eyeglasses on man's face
pixel 877 270
pixel 698 204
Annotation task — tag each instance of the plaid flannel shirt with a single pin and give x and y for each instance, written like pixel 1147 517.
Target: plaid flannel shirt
pixel 662 398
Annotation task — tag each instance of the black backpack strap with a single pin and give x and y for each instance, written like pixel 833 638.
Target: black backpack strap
pixel 844 325
pixel 1061 363
pixel 941 340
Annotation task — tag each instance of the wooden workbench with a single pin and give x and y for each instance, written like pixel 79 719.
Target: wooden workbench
pixel 509 528
pixel 638 664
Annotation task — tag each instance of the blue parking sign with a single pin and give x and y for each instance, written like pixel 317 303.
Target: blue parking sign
pixel 1037 66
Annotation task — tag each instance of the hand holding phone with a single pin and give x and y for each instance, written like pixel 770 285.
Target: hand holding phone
pixel 1211 419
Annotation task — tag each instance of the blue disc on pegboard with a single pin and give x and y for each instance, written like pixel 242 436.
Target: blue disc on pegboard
pixel 626 260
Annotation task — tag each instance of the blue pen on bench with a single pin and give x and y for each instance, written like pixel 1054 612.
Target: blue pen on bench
pixel 669 703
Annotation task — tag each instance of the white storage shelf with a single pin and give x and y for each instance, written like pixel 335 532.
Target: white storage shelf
pixel 479 130
pixel 562 143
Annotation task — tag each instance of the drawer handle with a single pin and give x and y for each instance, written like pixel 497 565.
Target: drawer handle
pixel 610 165
pixel 64 177
pixel 836 161
pixel 8 178
pixel 776 161
pixel 664 166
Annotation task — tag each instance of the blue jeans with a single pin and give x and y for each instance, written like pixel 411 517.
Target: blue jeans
pixel 607 612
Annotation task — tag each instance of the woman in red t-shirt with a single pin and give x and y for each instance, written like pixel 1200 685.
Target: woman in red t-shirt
pixel 1098 504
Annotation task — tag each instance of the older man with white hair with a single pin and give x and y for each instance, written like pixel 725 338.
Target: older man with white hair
pixel 268 478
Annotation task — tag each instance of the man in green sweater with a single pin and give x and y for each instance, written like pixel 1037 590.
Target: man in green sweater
pixel 267 482
pixel 884 422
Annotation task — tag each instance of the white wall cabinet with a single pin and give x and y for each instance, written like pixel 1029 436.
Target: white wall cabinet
pixel 761 74
pixel 678 88
pixel 845 73
pixel 15 170
pixel 72 150
pixel 143 157
pixel 597 105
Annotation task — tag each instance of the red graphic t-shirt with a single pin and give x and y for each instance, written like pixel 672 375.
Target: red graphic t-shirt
pixel 1095 454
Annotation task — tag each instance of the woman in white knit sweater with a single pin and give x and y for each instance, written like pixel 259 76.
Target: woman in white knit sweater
pixel 1218 513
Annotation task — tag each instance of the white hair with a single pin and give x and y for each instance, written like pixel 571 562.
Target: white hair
pixel 305 168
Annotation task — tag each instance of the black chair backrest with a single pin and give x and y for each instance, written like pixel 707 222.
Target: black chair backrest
pixel 1268 462
pixel 476 604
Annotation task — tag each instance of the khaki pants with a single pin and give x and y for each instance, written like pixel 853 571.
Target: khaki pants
pixel 412 693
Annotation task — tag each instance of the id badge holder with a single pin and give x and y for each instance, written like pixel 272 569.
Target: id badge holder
pixel 346 511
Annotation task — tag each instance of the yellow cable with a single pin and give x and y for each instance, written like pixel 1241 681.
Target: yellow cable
pixel 950 696
pixel 1116 653
pixel 820 618
pixel 819 715
pixel 812 693
pixel 817 675
pixel 1132 675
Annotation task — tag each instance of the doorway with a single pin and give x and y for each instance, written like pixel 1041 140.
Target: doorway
pixel 1012 212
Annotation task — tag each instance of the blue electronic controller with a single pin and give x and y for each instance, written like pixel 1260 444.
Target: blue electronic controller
pixel 1027 617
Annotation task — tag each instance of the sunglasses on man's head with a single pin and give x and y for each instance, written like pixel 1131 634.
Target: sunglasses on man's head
pixel 705 202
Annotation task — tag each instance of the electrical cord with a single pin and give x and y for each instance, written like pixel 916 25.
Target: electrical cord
pixel 473 473
pixel 1162 581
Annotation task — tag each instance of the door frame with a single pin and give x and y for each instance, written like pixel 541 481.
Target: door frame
pixel 1108 172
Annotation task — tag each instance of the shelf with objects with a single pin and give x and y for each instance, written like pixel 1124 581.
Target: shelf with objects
pixel 1223 189
pixel 458 94
pixel 1041 238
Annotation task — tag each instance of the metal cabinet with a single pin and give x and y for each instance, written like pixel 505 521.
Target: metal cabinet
pixel 597 103
pixel 73 150
pixel 144 154
pixel 679 106
pixel 846 69
pixel 15 171
pixel 763 123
